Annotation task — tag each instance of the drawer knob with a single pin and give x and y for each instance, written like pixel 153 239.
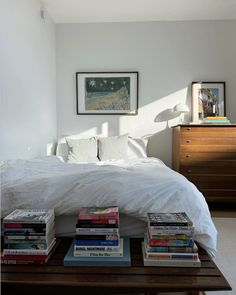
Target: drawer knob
pixel 189 128
pixel 188 141
pixel 189 170
pixel 187 156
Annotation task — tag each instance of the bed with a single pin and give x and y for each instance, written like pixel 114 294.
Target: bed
pixel 137 185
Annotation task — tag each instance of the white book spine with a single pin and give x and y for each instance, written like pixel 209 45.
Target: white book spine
pixel 97 254
pixel 172 263
pixel 96 231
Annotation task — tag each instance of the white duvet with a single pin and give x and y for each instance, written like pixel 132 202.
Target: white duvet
pixel 137 186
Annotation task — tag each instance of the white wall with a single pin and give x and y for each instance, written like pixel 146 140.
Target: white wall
pixel 27 80
pixel 168 56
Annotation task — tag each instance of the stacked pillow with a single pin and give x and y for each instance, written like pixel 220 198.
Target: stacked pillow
pixel 91 149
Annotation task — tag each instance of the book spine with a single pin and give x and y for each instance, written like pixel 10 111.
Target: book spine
pixel 164 249
pixel 48 217
pixel 96 231
pixel 154 223
pixel 172 256
pixel 172 263
pixel 96 225
pixel 25 246
pixel 24 257
pixel 96 243
pixel 98 237
pixel 215 118
pixel 24 234
pixel 24 252
pixel 30 251
pixel 97 248
pixel 98 221
pixel 97 254
pixel 175 243
pixel 154 232
pixel 25 225
pixel 33 231
pixel 12 239
pixel 98 217
pixel 21 241
pixel 216 121
pixel 171 230
pixel 14 261
pixel 171 237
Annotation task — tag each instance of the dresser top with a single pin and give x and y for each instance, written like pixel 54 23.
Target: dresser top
pixel 205 125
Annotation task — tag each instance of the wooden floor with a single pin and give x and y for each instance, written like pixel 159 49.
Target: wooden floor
pixel 53 278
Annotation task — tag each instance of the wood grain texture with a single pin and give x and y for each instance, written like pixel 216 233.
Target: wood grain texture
pixel 54 277
pixel 206 155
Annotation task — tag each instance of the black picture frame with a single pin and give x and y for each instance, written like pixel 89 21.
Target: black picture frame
pixel 107 93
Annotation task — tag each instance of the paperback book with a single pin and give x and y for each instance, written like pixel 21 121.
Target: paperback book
pixel 147 261
pixel 72 260
pixel 169 219
pixel 100 253
pixel 29 216
pixel 30 251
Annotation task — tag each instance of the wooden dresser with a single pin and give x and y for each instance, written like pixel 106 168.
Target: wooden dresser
pixel 206 155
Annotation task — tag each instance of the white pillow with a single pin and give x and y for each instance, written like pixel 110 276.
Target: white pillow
pixel 114 147
pixel 137 148
pixel 82 150
pixel 62 149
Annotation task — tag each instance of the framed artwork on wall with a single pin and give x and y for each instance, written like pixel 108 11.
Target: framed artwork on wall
pixel 107 93
pixel 208 99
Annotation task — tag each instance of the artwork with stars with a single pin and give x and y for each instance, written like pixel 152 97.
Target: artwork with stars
pixel 107 93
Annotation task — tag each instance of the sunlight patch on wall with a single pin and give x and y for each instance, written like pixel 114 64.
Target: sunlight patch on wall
pixel 154 117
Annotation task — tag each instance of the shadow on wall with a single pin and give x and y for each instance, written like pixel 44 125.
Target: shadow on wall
pixel 158 142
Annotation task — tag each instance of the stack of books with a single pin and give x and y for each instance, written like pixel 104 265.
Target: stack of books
pixel 169 241
pixel 97 241
pixel 216 120
pixel 29 236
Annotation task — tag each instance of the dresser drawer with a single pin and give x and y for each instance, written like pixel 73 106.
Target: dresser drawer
pixel 208 148
pixel 208 132
pixel 227 167
pixel 190 156
pixel 192 140
pixel 217 195
pixel 213 181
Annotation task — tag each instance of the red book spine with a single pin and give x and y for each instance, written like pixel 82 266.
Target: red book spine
pixel 98 217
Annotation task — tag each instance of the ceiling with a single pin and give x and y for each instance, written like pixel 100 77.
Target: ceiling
pixel 84 11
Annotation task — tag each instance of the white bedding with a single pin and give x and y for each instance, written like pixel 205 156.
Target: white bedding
pixel 137 186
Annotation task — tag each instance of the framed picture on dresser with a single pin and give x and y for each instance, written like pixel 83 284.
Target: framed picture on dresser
pixel 110 93
pixel 208 99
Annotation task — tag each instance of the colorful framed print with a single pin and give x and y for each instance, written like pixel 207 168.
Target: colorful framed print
pixel 107 93
pixel 208 99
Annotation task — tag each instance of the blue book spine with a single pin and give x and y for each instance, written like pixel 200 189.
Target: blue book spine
pixel 96 242
pixel 216 121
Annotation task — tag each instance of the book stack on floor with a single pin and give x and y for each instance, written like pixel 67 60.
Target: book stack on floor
pixel 169 241
pixel 29 236
pixel 97 241
pixel 216 120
